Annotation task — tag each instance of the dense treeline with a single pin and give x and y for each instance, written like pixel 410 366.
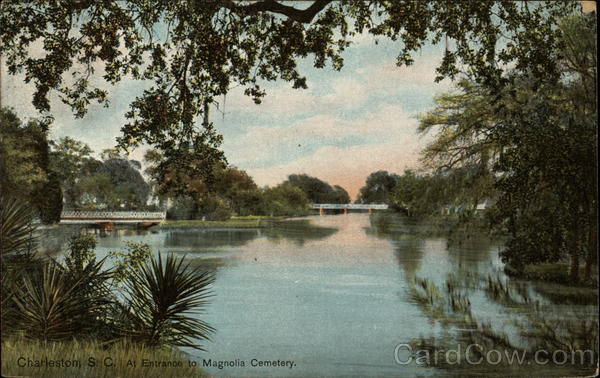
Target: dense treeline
pixel 228 190
pixel 317 190
pixel 25 167
pixel 52 175
pixel 530 147
pixel 64 174
pixel 111 182
pixel 422 193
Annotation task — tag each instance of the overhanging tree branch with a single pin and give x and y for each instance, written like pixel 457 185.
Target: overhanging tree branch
pixel 299 15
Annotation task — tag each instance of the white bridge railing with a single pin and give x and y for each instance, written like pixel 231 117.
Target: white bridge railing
pixel 112 216
pixel 350 206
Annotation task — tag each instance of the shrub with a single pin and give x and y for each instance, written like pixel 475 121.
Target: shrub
pixel 161 299
pixel 125 263
pixel 81 251
pixel 57 305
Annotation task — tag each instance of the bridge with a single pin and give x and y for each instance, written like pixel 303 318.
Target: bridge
pixel 107 219
pixel 348 206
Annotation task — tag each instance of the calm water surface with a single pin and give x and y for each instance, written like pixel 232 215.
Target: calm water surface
pixel 332 293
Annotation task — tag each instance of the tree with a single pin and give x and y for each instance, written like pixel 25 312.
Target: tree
pixel 50 200
pixel 97 190
pixel 114 183
pixel 285 199
pixel 462 123
pixel 131 189
pixel 188 170
pixel 539 139
pixel 234 186
pixel 25 172
pixel 318 191
pixel 194 51
pixel 378 188
pixel 72 161
pixel 340 195
pixel 547 179
pixel 552 156
pixel 464 146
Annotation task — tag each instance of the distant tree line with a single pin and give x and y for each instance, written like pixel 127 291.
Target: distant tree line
pixel 112 182
pixel 422 193
pixel 227 190
pixel 64 174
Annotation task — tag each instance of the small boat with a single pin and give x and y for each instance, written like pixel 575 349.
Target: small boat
pixel 107 226
pixel 146 224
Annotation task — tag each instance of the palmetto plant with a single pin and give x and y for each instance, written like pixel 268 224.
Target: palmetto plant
pixel 16 239
pixel 16 231
pixel 49 301
pixel 56 304
pixel 162 299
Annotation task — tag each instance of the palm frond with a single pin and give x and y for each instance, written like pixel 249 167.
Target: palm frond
pixel 56 305
pixel 16 230
pixel 164 299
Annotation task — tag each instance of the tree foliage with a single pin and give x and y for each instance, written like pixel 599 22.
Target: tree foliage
pixel 194 51
pixel 423 194
pixel 114 183
pixel 538 144
pixel 378 188
pixel 25 169
pixel 318 191
pixel 72 161
pixel 285 199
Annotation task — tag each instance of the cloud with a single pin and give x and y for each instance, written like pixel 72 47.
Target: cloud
pixel 278 141
pixel 385 137
pixel 349 89
pixel 346 125
pixel 346 166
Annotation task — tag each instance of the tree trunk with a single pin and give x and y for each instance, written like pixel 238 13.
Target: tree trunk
pixel 574 272
pixel 205 114
pixel 592 249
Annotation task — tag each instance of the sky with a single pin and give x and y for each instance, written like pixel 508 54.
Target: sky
pixel 346 125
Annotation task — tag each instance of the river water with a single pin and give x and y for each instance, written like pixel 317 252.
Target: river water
pixel 335 294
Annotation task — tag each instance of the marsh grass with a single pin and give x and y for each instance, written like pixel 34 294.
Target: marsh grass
pixel 119 354
pixel 539 326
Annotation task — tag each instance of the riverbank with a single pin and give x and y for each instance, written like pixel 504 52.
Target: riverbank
pixel 233 222
pixel 21 357
pixel 557 272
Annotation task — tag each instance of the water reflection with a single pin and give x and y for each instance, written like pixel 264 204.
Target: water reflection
pixel 54 239
pixel 211 264
pixel 475 303
pixel 338 293
pixel 209 239
pixel 297 231
pixel 409 254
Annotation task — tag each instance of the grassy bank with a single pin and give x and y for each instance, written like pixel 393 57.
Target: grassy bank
pixel 233 222
pixel 90 359
pixel 551 272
